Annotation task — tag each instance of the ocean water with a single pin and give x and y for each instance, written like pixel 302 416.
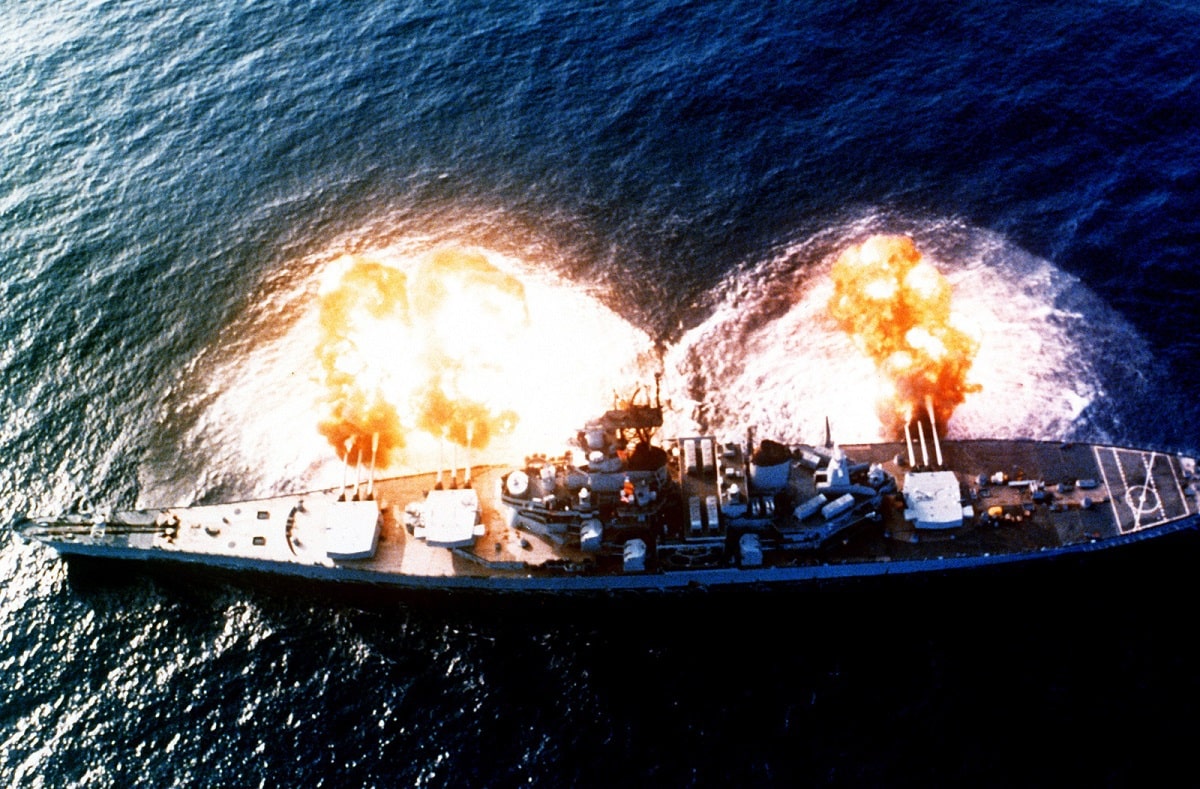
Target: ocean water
pixel 180 181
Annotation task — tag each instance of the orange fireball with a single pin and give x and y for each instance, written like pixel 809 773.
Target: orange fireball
pixel 418 349
pixel 896 306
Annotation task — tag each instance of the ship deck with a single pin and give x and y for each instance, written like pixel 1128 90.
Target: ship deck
pixel 1092 494
pixel 1089 495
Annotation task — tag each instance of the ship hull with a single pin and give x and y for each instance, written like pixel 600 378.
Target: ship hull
pixel 1135 557
pixel 1118 498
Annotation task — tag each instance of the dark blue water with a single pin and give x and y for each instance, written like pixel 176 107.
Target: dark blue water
pixel 176 179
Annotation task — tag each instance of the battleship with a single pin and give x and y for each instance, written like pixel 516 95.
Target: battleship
pixel 622 509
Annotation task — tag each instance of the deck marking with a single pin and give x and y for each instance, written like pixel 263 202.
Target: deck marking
pixel 1148 503
pixel 1124 490
pixel 1142 495
pixel 1179 488
pixel 1152 485
pixel 1141 501
pixel 1147 487
pixel 1112 499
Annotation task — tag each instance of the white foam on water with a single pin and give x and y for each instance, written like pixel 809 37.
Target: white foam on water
pixel 770 356
pixel 251 414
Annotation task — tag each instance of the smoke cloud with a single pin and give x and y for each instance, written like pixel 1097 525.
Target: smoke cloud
pixel 896 307
pixel 423 349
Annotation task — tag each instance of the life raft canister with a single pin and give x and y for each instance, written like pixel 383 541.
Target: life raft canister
pixel 517 483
